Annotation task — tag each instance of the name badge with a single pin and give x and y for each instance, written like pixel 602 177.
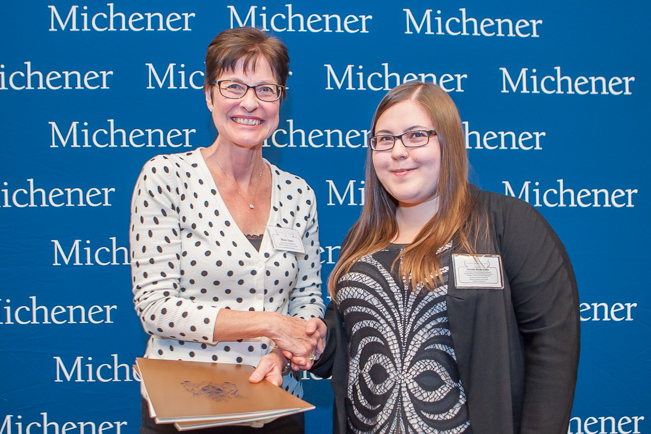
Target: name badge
pixel 286 239
pixel 478 271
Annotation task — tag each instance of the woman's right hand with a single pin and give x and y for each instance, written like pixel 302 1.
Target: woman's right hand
pixel 317 330
pixel 300 340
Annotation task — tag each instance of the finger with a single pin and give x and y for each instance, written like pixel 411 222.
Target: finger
pixel 319 350
pixel 322 327
pixel 311 327
pixel 275 378
pixel 306 349
pixel 260 372
pixel 300 361
pixel 316 325
pixel 301 366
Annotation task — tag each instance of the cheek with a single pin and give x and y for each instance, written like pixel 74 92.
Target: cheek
pixel 431 158
pixel 274 112
pixel 377 165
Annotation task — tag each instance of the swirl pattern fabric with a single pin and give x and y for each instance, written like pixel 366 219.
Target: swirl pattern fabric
pixel 403 376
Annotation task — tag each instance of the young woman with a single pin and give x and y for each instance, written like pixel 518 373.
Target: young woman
pixel 454 310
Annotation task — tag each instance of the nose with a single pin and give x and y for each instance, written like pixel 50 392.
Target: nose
pixel 249 101
pixel 399 151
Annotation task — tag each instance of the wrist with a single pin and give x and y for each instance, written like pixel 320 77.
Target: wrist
pixel 273 324
pixel 286 364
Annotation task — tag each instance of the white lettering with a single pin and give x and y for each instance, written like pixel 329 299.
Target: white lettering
pixel 112 137
pixel 603 312
pixel 35 313
pixel 117 371
pixel 350 192
pixel 464 26
pixel 564 84
pixel 386 80
pixel 330 250
pixel 605 425
pixel 506 139
pixel 174 76
pixel 38 197
pixel 568 197
pixel 117 21
pixel 29 79
pixel 288 21
pixel 291 137
pixel 102 255
pixel 46 426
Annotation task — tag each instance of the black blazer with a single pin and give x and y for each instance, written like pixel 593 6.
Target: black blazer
pixel 518 348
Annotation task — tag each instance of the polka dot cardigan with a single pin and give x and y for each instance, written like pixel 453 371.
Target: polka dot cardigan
pixel 189 260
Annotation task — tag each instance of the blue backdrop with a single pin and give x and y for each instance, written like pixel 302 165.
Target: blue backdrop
pixel 554 97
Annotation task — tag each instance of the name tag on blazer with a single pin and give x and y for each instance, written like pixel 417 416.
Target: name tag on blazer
pixel 478 271
pixel 286 239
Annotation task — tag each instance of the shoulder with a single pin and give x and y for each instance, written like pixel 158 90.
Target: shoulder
pixel 173 168
pixel 497 201
pixel 510 217
pixel 501 207
pixel 178 160
pixel 289 183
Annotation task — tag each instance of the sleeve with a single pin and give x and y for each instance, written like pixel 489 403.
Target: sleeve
pixel 324 366
pixel 306 300
pixel 155 242
pixel 335 352
pixel 546 303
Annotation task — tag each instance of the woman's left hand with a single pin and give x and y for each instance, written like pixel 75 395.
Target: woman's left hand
pixel 270 368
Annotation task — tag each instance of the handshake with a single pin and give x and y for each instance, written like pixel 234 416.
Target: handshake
pixel 299 344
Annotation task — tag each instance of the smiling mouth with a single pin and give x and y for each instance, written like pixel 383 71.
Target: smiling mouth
pixel 247 121
pixel 401 171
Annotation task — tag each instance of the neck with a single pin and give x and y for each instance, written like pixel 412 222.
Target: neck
pixel 412 218
pixel 242 165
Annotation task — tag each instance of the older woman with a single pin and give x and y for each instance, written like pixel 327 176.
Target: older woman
pixel 211 281
pixel 454 310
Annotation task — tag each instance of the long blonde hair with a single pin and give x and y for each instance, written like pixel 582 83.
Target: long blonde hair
pixel 377 225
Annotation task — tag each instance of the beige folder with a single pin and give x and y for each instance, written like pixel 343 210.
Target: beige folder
pixel 198 394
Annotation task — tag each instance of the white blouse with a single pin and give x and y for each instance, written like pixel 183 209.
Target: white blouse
pixel 189 260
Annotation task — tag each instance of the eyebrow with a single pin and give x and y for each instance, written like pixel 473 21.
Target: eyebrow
pixel 237 80
pixel 412 128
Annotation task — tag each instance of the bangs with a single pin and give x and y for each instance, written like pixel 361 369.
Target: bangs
pixel 229 61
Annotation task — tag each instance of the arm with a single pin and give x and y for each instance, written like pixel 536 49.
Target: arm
pixel 334 339
pixel 292 334
pixel 545 299
pixel 156 249
pixel 305 299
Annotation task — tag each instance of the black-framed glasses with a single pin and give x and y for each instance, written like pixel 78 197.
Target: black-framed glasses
pixel 268 92
pixel 410 139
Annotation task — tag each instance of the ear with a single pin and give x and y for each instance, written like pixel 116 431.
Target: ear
pixel 208 94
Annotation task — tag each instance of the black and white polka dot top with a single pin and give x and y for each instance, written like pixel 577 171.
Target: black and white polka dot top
pixel 189 260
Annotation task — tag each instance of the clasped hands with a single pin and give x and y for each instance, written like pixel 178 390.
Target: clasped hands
pixel 298 342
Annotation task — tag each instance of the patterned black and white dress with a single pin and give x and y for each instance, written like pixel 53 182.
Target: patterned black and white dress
pixel 403 375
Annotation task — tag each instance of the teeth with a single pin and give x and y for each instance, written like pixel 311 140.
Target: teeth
pixel 246 121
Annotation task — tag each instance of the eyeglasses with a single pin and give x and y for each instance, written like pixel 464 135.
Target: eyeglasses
pixel 410 139
pixel 268 92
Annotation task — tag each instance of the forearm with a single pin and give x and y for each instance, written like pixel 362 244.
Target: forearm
pixel 232 325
